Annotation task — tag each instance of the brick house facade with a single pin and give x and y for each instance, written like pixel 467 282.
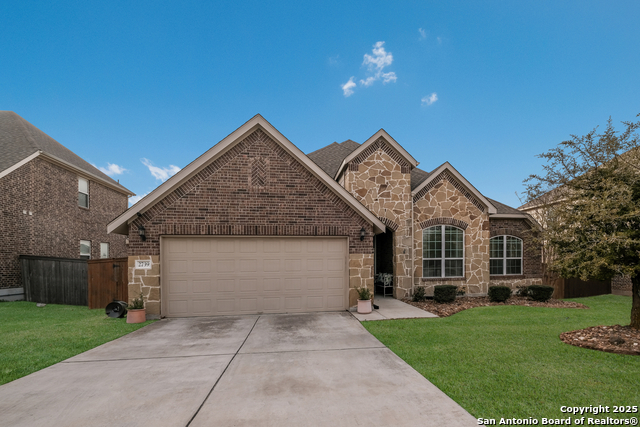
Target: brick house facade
pixel 256 188
pixel 39 208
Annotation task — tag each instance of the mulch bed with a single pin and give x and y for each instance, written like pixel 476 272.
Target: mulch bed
pixel 613 339
pixel 464 303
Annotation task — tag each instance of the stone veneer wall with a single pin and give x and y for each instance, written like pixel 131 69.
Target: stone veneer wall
pixel 447 202
pixel 360 275
pixel 383 185
pixel 146 282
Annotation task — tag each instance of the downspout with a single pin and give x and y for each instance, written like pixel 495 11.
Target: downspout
pixel 413 251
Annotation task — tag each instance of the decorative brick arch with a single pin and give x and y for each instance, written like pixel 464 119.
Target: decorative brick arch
pixel 380 143
pixel 515 228
pixel 444 221
pixel 390 224
pixel 446 176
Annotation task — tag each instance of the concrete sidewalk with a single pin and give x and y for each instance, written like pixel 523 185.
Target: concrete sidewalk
pixel 391 308
pixel 321 369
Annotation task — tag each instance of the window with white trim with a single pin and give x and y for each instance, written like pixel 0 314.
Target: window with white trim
pixel 442 251
pixel 505 255
pixel 85 249
pixel 104 250
pixel 83 193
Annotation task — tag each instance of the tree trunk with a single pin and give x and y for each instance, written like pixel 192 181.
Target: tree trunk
pixel 635 302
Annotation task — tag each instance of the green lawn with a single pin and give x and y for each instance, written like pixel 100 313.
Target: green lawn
pixel 33 338
pixel 507 361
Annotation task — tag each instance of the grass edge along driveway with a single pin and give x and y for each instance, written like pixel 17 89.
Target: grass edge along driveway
pixel 33 338
pixel 508 361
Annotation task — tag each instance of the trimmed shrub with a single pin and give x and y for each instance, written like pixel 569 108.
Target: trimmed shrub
pixel 499 293
pixel 540 292
pixel 444 293
pixel 419 294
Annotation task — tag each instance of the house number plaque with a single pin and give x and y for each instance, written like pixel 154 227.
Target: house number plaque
pixel 143 264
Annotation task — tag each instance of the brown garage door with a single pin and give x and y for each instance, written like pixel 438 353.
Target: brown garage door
pixel 209 276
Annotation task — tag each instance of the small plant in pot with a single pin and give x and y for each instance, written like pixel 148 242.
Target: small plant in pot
pixel 136 312
pixel 364 300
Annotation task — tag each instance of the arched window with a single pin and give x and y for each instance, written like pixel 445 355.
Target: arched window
pixel 505 255
pixel 442 251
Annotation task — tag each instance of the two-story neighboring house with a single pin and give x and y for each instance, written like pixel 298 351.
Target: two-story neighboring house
pixel 254 225
pixel 52 202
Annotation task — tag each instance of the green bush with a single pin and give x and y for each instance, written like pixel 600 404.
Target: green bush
pixel 444 293
pixel 540 292
pixel 499 293
pixel 419 294
pixel 364 293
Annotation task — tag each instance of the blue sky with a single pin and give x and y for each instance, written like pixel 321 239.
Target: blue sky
pixel 149 86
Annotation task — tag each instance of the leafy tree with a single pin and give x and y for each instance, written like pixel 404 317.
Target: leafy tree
pixel 589 198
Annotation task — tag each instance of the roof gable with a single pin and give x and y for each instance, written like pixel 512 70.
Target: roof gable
pixel 20 140
pixel 379 137
pixel 121 223
pixel 441 173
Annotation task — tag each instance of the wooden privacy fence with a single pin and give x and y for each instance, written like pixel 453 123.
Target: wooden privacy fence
pixel 576 288
pixel 108 281
pixel 54 280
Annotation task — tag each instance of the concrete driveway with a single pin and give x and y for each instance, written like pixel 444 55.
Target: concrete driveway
pixel 320 369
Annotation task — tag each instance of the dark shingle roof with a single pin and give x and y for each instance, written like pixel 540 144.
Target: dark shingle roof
pixel 330 157
pixel 19 139
pixel 417 177
pixel 504 209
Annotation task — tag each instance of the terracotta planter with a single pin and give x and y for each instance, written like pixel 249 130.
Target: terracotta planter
pixel 136 316
pixel 364 306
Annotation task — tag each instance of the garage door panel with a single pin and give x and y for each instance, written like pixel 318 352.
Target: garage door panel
pixel 201 286
pixel 249 285
pixel 272 284
pixel 248 265
pixel 202 306
pixel 335 302
pixel 226 306
pixel 202 266
pixel 178 266
pixel 177 286
pixel 206 276
pixel 225 285
pixel 315 283
pixel 226 265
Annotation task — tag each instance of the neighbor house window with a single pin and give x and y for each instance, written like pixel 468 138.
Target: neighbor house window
pixel 442 251
pixel 505 255
pixel 104 250
pixel 83 193
pixel 85 249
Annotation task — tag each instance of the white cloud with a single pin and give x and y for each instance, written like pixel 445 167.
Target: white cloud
pixel 347 88
pixel 376 63
pixel 135 199
pixel 388 77
pixel 423 34
pixel 111 169
pixel 160 173
pixel 428 100
pixel 379 59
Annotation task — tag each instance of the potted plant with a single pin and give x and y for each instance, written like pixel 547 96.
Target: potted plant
pixel 364 300
pixel 136 312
